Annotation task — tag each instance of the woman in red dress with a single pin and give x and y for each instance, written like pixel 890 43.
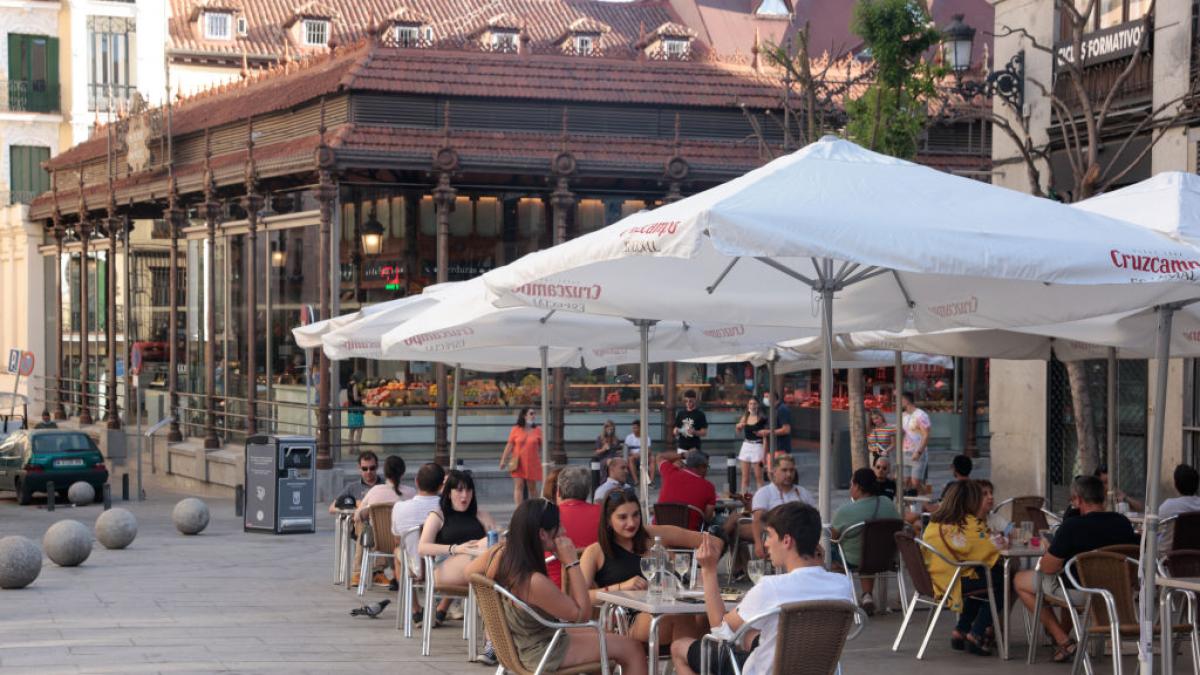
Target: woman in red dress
pixel 525 445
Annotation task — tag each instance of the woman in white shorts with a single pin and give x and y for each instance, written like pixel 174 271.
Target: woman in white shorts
pixel 753 427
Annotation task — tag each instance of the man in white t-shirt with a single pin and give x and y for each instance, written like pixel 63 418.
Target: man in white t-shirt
pixel 633 443
pixel 781 490
pixel 793 534
pixel 413 512
pixel 618 476
pixel 916 442
pixel 1187 483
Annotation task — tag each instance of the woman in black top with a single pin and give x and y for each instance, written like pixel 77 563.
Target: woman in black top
pixel 454 534
pixel 753 426
pixel 614 561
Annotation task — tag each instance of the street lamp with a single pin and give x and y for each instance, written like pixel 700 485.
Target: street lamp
pixel 958 41
pixel 372 234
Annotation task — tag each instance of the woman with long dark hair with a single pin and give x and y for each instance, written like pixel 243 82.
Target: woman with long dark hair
pixel 391 491
pixel 455 534
pixel 525 446
pixel 614 561
pixel 753 427
pixel 519 565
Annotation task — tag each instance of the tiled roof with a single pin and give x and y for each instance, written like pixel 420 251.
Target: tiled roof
pixel 543 21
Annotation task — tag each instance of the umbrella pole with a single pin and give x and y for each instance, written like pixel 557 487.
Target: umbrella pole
pixel 644 415
pixel 898 378
pixel 825 484
pixel 544 353
pixel 454 416
pixel 1146 601
pixel 771 409
pixel 1110 417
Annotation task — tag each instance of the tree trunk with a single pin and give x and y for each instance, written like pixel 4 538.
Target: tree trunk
pixel 1088 450
pixel 858 422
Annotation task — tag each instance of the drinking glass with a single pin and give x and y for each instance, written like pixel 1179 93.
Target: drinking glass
pixel 650 571
pixel 683 564
pixel 1026 533
pixel 756 569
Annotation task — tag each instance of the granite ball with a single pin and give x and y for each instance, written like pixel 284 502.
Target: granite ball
pixel 20 562
pixel 81 493
pixel 190 516
pixel 116 528
pixel 68 543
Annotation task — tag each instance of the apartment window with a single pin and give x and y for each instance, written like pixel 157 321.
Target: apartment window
pixel 584 44
pixel 32 74
pixel 1106 14
pixel 675 48
pixel 216 25
pixel 316 32
pixel 242 26
pixel 27 178
pixel 408 36
pixel 111 57
pixel 504 40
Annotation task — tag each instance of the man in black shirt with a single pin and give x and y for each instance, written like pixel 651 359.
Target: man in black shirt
pixel 690 424
pixel 1094 528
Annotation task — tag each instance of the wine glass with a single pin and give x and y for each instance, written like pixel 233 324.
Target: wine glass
pixel 649 570
pixel 683 565
pixel 756 569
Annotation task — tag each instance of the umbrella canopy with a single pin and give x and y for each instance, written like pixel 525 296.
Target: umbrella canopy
pixel 367 325
pixel 805 354
pixel 893 241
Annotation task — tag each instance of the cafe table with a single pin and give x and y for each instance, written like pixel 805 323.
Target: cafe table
pixel 657 608
pixel 1165 585
pixel 1008 555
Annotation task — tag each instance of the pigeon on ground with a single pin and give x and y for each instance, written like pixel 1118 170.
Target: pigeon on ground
pixel 372 611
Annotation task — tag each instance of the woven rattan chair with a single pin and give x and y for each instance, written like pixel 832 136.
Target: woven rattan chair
pixel 1020 506
pixel 410 579
pixel 1181 563
pixel 878 556
pixel 1109 580
pixel 924 592
pixel 677 514
pixel 383 543
pixel 1185 533
pixel 809 637
pixel 490 595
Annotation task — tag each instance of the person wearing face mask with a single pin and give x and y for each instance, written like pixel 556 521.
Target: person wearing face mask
pixel 525 447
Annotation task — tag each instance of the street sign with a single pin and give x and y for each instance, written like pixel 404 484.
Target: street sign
pixel 26 366
pixel 14 360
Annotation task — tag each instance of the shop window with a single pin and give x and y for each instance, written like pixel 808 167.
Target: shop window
pixel 462 218
pixel 589 215
pixel 631 206
pixel 488 217
pixel 428 217
pixel 531 217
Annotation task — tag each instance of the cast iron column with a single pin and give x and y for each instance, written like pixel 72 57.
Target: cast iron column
pixel 443 199
pixel 110 323
pixel 252 202
pixel 85 231
pixel 173 215
pixel 326 196
pixel 212 211
pixel 59 232
pixel 562 200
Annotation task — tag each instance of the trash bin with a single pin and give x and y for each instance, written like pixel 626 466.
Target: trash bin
pixel 281 484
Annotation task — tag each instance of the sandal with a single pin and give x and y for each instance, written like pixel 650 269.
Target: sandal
pixel 957 642
pixel 1064 653
pixel 976 647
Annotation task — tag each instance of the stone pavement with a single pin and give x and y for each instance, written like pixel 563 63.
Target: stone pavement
pixel 227 601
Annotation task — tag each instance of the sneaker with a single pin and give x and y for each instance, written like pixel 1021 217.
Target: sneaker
pixel 393 585
pixel 380 579
pixel 867 603
pixel 439 618
pixel 488 657
pixel 455 613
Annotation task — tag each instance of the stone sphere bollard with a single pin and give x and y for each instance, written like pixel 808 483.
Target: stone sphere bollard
pixel 190 516
pixel 116 528
pixel 20 562
pixel 81 493
pixel 68 543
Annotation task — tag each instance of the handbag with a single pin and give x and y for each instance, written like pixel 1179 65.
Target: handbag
pixel 513 463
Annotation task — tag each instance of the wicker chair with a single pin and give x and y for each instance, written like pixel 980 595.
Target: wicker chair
pixel 1111 579
pixel 809 637
pixel 677 514
pixel 489 594
pixel 1181 563
pixel 410 579
pixel 924 592
pixel 1020 506
pixel 383 543
pixel 878 556
pixel 1185 533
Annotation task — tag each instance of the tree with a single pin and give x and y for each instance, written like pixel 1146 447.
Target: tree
pixel 1086 119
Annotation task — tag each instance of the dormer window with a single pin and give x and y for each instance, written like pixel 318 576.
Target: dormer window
pixel 676 48
pixel 504 40
pixel 410 35
pixel 218 25
pixel 242 26
pixel 585 44
pixel 315 32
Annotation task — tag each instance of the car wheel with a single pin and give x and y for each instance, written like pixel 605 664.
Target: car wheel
pixel 24 495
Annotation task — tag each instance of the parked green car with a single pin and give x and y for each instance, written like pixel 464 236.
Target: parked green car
pixel 30 459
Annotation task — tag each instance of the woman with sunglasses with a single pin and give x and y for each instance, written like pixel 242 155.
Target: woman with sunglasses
pixel 455 534
pixel 525 446
pixel 614 562
pixel 519 565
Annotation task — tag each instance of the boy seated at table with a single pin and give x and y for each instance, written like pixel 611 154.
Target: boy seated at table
pixel 793 536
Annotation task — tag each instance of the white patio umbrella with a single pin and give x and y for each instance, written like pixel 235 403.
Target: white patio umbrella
pixel 465 321
pixel 891 240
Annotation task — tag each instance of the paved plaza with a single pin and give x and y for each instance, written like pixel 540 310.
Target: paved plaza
pixel 227 601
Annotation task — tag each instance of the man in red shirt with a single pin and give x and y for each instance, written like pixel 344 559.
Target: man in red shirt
pixel 580 520
pixel 687 484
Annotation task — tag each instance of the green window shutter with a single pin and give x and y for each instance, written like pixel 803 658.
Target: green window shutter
pixel 15 43
pixel 28 178
pixel 52 71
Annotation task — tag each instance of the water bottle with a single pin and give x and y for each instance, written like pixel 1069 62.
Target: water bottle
pixel 658 553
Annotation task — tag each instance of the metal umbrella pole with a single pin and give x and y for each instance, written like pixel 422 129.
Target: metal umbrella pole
pixel 1110 417
pixel 454 416
pixel 644 414
pixel 898 377
pixel 825 484
pixel 544 353
pixel 1147 597
pixel 771 408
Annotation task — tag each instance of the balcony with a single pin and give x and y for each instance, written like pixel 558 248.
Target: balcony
pixel 29 96
pixel 99 94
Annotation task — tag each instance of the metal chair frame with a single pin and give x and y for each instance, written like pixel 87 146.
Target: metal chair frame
pixel 409 581
pixel 1018 517
pixel 1033 625
pixel 558 626
pixel 939 603
pixel 1189 598
pixel 432 593
pixel 723 644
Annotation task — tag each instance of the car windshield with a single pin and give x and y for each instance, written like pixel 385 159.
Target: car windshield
pixel 46 444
